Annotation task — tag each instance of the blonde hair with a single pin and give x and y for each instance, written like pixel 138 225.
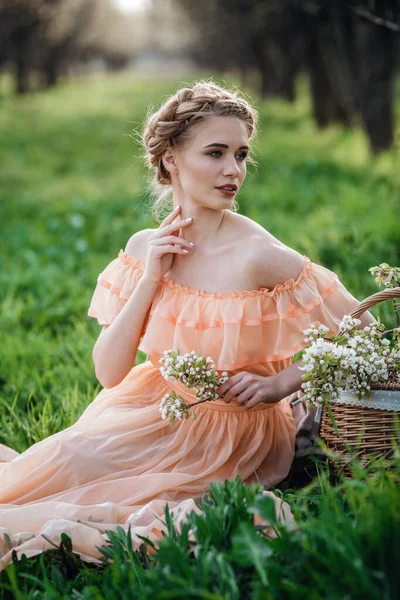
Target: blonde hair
pixel 171 124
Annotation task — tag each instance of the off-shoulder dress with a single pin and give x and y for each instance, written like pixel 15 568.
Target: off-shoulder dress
pixel 120 462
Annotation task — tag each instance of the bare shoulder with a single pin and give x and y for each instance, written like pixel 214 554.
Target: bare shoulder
pixel 271 261
pixel 280 264
pixel 137 244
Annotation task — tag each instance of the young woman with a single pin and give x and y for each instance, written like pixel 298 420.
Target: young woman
pixel 206 279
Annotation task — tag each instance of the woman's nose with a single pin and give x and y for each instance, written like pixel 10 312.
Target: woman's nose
pixel 231 167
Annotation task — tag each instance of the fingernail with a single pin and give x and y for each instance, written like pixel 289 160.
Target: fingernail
pixel 188 219
pixel 192 244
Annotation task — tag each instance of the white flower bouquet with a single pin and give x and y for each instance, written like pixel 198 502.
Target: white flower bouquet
pixel 356 360
pixel 193 371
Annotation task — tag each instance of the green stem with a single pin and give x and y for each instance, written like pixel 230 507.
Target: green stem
pixel 198 402
pixel 396 312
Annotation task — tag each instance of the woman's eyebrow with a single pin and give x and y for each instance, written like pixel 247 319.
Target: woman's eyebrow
pixel 225 146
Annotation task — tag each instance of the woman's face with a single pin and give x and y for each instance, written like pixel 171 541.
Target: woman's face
pixel 213 156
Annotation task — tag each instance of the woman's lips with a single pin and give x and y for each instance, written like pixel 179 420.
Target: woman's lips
pixel 227 192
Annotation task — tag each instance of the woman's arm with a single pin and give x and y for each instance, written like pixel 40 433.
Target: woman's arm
pixel 114 353
pixel 283 263
pixel 257 388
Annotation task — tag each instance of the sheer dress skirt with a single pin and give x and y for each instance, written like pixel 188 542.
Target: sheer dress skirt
pixel 120 463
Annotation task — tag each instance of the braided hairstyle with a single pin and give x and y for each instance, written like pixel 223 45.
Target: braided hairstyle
pixel 171 124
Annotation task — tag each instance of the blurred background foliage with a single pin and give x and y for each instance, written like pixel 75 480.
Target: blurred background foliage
pixel 348 49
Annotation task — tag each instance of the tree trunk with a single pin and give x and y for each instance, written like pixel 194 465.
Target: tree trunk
pixel 22 74
pixel 244 74
pixel 281 62
pixel 330 105
pixel 50 70
pixel 379 47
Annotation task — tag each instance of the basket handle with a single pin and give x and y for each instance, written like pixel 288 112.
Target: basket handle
pixel 389 294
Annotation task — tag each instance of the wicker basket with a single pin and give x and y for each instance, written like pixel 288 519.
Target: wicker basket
pixel 361 425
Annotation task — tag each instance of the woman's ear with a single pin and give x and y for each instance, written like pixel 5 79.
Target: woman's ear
pixel 169 161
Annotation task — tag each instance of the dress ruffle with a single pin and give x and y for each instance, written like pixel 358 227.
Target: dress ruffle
pixel 114 286
pixel 237 329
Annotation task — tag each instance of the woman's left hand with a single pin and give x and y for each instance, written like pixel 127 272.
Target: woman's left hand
pixel 251 389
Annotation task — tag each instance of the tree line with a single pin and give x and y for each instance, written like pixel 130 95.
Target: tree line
pixel 348 50
pixel 40 39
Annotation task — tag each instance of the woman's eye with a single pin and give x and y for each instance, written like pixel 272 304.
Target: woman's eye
pixel 217 153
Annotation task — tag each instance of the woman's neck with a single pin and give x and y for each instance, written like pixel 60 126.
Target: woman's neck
pixel 205 227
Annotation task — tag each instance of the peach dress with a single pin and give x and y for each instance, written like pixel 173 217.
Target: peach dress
pixel 120 462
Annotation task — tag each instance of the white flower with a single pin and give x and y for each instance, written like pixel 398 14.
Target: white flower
pixel 365 358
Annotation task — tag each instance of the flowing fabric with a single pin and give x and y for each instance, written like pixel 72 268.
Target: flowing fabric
pixel 120 463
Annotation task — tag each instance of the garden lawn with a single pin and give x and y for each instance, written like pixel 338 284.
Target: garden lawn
pixel 74 189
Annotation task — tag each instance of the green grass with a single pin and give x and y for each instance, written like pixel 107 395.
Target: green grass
pixel 345 544
pixel 73 190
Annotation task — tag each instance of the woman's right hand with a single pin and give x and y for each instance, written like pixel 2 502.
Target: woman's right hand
pixel 164 243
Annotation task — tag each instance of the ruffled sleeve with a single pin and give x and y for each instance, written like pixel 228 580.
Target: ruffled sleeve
pixel 243 328
pixel 114 286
